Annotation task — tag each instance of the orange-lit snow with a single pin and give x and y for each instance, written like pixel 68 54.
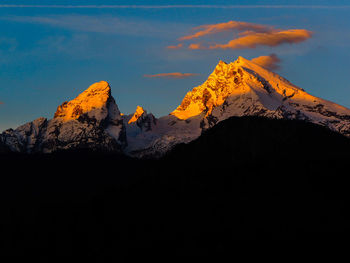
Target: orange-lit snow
pixel 138 113
pixel 95 97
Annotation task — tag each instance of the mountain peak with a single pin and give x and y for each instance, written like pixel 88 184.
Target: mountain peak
pixel 236 79
pixel 95 97
pixel 90 121
pixel 221 62
pixel 225 80
pixel 241 60
pixel 138 113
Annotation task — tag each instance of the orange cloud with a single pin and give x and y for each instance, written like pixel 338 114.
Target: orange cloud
pixel 175 75
pixel 273 38
pixel 249 35
pixel 1 102
pixel 228 26
pixel 178 46
pixel 268 62
pixel 196 46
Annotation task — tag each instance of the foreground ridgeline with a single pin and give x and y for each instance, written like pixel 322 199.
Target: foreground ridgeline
pixel 241 88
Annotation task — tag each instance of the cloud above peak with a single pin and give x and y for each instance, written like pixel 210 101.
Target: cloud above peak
pixel 270 62
pixel 205 30
pixel 246 35
pixel 272 39
pixel 174 75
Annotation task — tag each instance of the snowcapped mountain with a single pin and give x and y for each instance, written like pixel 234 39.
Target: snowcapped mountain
pixel 241 88
pixel 91 120
pixel 244 88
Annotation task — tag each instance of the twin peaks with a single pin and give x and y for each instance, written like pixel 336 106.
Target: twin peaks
pixel 241 88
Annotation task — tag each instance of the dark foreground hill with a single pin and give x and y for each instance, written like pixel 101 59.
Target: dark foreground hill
pixel 246 178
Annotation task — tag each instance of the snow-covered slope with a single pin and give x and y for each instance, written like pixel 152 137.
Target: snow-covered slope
pixel 244 88
pixel 241 88
pixel 149 136
pixel 92 120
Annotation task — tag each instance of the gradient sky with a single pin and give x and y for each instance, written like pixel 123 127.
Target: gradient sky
pixel 50 55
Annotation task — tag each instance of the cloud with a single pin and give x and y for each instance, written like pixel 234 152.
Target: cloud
pixel 270 62
pixel 271 39
pixel 1 102
pixel 74 22
pixel 196 46
pixel 105 24
pixel 248 35
pixel 175 75
pixel 178 46
pixel 228 26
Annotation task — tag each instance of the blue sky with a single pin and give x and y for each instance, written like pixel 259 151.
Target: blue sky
pixel 50 55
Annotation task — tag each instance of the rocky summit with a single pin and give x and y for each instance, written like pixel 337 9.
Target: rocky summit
pixel 91 121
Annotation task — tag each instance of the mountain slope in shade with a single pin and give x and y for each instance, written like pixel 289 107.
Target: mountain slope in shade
pixel 92 120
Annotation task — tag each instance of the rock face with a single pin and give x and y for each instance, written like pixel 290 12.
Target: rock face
pixel 92 120
pixel 241 88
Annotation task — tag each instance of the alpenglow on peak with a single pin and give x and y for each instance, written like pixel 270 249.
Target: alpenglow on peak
pixel 93 99
pixel 138 113
pixel 239 78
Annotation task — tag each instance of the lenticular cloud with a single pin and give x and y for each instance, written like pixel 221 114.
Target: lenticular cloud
pixel 248 35
pixel 221 27
pixel 270 62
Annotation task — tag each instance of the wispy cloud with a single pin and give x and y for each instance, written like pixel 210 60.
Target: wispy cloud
pixel 1 102
pixel 269 62
pixel 179 6
pixel 175 75
pixel 229 26
pixel 271 39
pixel 97 24
pixel 178 46
pixel 248 35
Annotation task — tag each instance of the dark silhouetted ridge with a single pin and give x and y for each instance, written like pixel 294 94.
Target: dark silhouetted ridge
pixel 246 178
